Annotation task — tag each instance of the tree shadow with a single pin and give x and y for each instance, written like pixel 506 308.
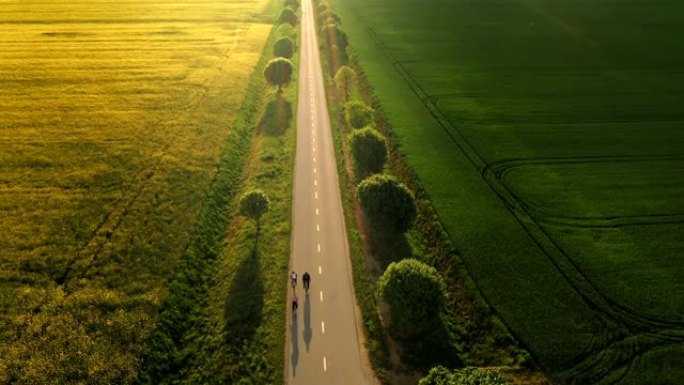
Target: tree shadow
pixel 295 344
pixel 244 306
pixel 308 332
pixel 388 246
pixel 277 116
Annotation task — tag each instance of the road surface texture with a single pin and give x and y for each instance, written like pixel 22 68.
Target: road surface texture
pixel 324 337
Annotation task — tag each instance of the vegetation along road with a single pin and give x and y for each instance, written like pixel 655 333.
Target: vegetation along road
pixel 324 342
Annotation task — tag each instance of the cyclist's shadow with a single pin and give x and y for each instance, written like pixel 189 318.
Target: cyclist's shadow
pixel 295 344
pixel 308 333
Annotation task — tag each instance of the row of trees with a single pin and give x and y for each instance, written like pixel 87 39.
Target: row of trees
pixel 415 291
pixel 278 72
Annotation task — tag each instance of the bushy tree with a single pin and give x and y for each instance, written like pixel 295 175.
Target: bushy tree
pixel 344 80
pixel 467 376
pixel 387 203
pixel 278 72
pixel 369 149
pixel 415 293
pixel 286 30
pixel 326 16
pixel 357 114
pixel 288 15
pixel 254 204
pixel 283 47
pixel 335 36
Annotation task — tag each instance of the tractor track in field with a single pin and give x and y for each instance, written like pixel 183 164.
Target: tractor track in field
pixel 625 325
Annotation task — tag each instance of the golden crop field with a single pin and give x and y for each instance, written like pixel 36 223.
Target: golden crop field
pixel 113 116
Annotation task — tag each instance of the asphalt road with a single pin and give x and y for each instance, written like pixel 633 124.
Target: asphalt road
pixel 324 337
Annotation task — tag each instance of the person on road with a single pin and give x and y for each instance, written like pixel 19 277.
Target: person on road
pixel 295 305
pixel 306 280
pixel 293 278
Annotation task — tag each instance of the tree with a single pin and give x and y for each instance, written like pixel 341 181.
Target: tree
pixel 278 72
pixel 344 80
pixel 253 204
pixel 357 114
pixel 286 30
pixel 369 149
pixel 387 203
pixel 467 376
pixel 283 47
pixel 288 15
pixel 334 35
pixel 415 293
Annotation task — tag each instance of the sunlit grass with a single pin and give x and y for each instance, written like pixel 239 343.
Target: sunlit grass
pixel 113 117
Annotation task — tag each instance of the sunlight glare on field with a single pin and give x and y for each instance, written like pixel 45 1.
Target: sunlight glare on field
pixel 113 116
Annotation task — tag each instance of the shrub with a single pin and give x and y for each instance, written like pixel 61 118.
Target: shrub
pixel 278 72
pixel 334 35
pixel 387 203
pixel 287 30
pixel 254 204
pixel 415 293
pixel 467 376
pixel 357 114
pixel 369 149
pixel 288 15
pixel 283 47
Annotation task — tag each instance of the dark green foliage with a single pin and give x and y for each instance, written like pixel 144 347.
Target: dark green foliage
pixel 369 149
pixel 294 4
pixel 254 204
pixel 334 35
pixel 283 47
pixel 345 77
pixel 467 376
pixel 415 293
pixel 288 15
pixel 387 203
pixel 278 72
pixel 328 17
pixel 357 114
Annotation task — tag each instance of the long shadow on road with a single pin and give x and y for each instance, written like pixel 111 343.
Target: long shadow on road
pixel 295 344
pixel 308 332
pixel 245 302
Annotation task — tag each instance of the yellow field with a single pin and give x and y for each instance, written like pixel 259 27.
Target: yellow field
pixel 112 120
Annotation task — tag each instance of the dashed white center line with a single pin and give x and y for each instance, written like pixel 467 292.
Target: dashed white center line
pixel 314 158
pixel 325 365
pixel 321 295
pixel 316 211
pixel 315 182
pixel 316 194
pixel 323 327
pixel 318 228
pixel 318 247
pixel 320 270
pixel 314 170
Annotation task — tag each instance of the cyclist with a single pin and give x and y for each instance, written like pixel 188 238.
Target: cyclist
pixel 293 278
pixel 306 280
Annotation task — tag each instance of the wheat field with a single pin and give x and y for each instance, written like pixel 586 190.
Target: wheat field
pixel 113 116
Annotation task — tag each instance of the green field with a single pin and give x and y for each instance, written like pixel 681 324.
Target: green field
pixel 113 121
pixel 549 136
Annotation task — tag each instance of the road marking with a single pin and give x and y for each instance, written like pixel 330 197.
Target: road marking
pixel 314 158
pixel 321 295
pixel 320 270
pixel 318 228
pixel 325 365
pixel 323 327
pixel 316 194
pixel 316 211
pixel 314 170
pixel 319 247
pixel 315 182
